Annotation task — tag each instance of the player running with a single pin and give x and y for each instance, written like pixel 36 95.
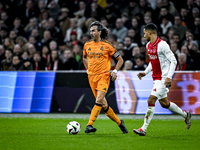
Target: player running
pixel 162 63
pixel 97 55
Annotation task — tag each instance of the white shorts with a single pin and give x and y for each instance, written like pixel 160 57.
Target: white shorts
pixel 159 89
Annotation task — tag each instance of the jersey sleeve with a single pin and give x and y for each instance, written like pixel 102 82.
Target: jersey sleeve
pixel 84 50
pixel 170 56
pixel 112 50
pixel 148 69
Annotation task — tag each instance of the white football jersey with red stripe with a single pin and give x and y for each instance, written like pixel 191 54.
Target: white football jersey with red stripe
pixel 162 60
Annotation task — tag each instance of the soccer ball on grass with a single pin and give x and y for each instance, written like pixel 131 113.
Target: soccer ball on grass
pixel 73 127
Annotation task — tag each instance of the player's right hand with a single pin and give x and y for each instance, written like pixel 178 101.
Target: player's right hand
pixel 113 76
pixel 140 75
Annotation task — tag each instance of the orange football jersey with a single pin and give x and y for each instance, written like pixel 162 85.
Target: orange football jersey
pixel 99 56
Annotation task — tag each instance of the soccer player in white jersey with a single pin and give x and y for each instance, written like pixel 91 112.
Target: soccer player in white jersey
pixel 162 64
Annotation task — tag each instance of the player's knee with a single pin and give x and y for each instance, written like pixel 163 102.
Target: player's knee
pixel 99 100
pixel 151 100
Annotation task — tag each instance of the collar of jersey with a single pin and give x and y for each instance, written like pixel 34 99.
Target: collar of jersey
pixel 156 42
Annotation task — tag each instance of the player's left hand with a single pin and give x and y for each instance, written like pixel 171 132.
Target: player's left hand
pixel 113 76
pixel 168 82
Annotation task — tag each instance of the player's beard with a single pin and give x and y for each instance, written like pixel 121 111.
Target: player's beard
pixel 148 38
pixel 92 37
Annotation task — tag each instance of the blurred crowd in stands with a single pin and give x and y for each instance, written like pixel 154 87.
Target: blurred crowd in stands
pixel 50 34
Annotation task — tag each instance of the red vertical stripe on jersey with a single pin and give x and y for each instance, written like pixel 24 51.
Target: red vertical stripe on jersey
pixel 152 50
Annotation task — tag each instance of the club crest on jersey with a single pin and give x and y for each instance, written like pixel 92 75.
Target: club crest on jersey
pixel 150 50
pixel 89 49
pixel 101 48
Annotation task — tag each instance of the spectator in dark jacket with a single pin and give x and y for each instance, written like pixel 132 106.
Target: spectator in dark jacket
pixel 196 28
pixel 140 63
pixel 54 60
pixel 56 33
pixel 69 63
pixel 132 9
pixel 37 62
pixel 26 66
pixel 3 34
pixel 2 54
pixel 16 63
pixel 28 12
pixel 195 54
pixel 178 27
pixel 18 27
pixel 46 38
pixel 6 63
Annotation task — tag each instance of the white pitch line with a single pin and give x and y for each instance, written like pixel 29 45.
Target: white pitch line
pixel 86 116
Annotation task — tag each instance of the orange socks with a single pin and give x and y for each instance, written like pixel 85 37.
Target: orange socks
pixel 111 114
pixel 94 114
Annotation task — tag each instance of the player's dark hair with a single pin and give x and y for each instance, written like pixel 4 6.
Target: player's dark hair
pixel 100 27
pixel 151 26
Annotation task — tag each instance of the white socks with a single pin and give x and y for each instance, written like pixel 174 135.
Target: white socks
pixel 148 117
pixel 174 108
pixel 150 112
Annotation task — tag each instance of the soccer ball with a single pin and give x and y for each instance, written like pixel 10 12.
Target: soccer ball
pixel 73 127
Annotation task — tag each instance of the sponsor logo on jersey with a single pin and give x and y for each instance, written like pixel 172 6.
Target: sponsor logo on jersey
pixel 95 55
pixel 104 89
pixel 89 49
pixel 153 57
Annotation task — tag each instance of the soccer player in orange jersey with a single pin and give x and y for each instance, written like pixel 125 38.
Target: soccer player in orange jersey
pixel 97 55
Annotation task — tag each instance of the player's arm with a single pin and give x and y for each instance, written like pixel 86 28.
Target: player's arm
pixel 147 70
pixel 85 61
pixel 119 64
pixel 85 58
pixel 170 56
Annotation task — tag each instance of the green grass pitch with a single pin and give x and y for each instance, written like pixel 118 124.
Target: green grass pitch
pixel 51 134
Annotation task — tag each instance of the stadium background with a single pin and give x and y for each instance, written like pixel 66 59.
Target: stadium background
pixel 49 90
